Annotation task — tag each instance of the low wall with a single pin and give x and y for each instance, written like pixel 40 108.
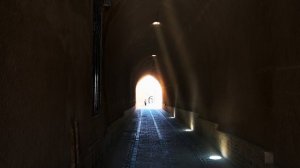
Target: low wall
pixel 240 152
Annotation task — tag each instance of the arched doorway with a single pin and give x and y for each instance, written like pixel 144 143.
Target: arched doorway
pixel 148 93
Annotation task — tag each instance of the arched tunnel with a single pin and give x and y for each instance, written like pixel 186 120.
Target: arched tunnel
pixel 228 75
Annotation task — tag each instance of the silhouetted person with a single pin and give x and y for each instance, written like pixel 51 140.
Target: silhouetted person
pixel 150 99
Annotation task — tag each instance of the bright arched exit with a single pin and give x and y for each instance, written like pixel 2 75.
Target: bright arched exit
pixel 149 93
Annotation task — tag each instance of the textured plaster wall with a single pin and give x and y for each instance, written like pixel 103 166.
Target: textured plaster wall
pixel 45 85
pixel 236 63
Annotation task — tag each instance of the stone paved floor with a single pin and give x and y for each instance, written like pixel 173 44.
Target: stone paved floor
pixel 155 140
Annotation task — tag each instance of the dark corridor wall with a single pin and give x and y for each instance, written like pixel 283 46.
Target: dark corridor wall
pixel 234 62
pixel 46 85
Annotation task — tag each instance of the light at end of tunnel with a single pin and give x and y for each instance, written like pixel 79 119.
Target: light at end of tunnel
pixel 215 157
pixel 154 55
pixel 156 23
pixel 149 93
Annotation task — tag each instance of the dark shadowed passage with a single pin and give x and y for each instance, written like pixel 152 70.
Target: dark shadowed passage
pixel 155 139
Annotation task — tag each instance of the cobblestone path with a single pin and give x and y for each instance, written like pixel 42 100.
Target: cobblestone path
pixel 153 139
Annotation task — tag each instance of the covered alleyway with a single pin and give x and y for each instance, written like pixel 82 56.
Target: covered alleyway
pixel 154 139
pixel 227 77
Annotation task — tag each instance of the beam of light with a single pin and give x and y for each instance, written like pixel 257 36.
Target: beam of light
pixel 148 93
pixel 166 61
pixel 192 121
pixel 224 143
pixel 183 51
pixel 174 112
pixel 188 130
pixel 215 157
pixel 156 23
